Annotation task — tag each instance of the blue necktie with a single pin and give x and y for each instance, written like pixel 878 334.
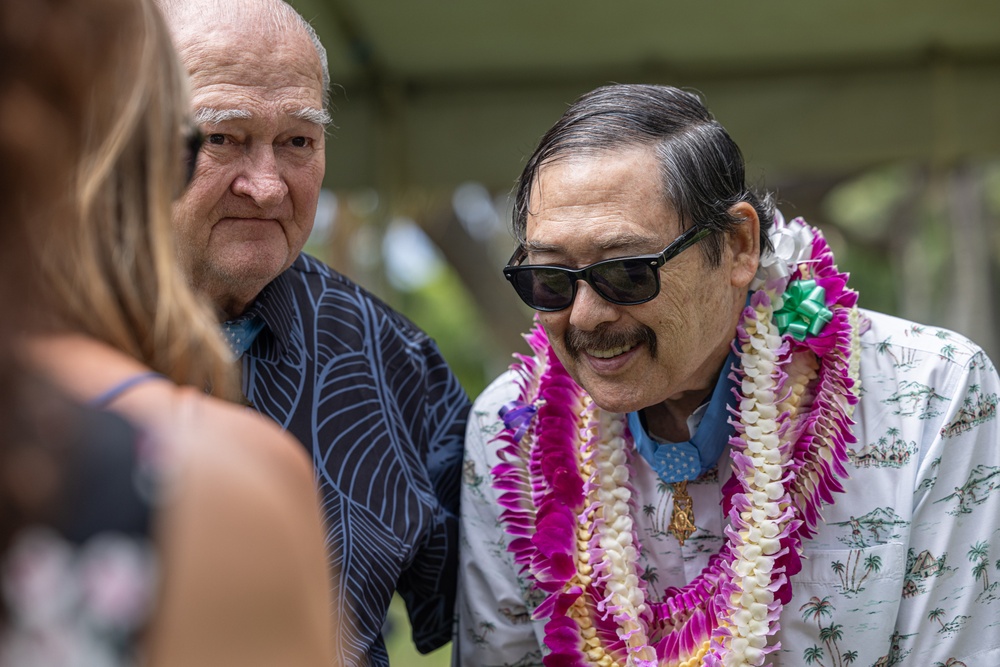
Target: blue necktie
pixel 680 461
pixel 240 333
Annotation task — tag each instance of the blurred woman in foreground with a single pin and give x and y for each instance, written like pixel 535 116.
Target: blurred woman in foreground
pixel 93 149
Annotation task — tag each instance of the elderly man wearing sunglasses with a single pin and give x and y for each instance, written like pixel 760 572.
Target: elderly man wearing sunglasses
pixel 713 456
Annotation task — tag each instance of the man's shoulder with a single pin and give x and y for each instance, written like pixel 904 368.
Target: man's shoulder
pixel 310 271
pixel 317 286
pixel 502 389
pixel 893 336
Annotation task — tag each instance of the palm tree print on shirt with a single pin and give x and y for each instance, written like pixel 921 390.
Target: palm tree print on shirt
pixel 817 609
pixel 977 408
pixel 949 628
pixel 852 578
pixel 884 453
pixel 979 556
pixel 907 358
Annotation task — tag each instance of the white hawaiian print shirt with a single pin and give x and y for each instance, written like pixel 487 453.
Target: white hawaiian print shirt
pixel 904 569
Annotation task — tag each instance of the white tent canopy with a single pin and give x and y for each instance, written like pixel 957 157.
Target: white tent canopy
pixel 436 92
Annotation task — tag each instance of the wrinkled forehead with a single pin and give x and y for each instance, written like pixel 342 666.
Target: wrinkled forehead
pixel 577 175
pixel 251 54
pixel 609 196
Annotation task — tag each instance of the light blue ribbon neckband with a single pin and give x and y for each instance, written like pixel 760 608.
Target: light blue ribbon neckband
pixel 680 461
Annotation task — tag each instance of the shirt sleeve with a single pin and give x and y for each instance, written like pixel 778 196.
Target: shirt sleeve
pixel 951 596
pixel 428 585
pixel 494 602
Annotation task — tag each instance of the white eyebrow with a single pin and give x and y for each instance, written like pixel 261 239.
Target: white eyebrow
pixel 321 117
pixel 206 116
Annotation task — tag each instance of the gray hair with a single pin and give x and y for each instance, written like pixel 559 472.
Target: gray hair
pixel 275 15
pixel 701 167
pixel 320 51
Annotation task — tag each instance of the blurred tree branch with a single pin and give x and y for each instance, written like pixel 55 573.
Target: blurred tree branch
pixel 499 305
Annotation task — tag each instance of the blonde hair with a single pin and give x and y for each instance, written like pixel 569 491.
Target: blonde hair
pixel 112 272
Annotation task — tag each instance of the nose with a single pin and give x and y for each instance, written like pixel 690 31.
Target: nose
pixel 589 309
pixel 261 178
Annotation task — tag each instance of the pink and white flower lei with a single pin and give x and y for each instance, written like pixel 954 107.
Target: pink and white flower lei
pixel 564 484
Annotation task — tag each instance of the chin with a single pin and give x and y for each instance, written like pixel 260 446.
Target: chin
pixel 615 401
pixel 264 264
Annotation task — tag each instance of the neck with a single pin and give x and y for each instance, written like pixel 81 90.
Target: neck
pixel 668 420
pixel 230 306
pixel 229 297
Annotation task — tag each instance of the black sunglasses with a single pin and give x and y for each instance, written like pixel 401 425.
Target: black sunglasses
pixel 193 140
pixel 625 281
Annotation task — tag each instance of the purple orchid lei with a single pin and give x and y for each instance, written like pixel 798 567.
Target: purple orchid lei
pixel 568 504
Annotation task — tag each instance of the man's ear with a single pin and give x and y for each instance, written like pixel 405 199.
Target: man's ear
pixel 744 244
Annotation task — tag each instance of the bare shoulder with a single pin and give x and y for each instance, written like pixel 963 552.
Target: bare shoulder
pixel 246 568
pixel 232 465
pixel 249 448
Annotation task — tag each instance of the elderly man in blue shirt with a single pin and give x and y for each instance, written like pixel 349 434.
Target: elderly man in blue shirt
pixel 364 389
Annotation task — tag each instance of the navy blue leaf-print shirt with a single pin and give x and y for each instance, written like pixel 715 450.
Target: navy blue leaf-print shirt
pixel 383 417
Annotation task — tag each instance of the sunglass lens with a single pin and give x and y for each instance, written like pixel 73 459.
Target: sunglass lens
pixel 544 289
pixel 625 281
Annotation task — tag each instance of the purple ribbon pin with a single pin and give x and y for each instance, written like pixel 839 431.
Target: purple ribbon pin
pixel 517 415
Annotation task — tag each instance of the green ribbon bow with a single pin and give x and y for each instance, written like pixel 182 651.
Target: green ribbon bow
pixel 804 311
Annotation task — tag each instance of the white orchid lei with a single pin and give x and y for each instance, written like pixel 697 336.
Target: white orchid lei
pixel 564 481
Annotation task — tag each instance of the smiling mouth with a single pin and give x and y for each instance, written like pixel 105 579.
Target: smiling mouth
pixel 610 352
pixel 606 343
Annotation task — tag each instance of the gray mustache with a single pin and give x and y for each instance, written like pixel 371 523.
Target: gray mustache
pixel 605 338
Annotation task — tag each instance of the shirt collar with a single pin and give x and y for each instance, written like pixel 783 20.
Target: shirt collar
pixel 275 307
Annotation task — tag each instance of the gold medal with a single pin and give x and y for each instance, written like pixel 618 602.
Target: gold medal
pixel 682 518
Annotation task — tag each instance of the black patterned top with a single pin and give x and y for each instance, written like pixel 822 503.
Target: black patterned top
pixel 383 417
pixel 80 584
